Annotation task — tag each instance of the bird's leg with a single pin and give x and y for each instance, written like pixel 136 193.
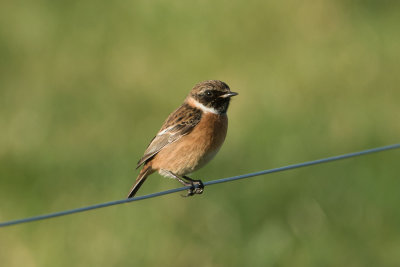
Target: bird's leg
pixel 196 186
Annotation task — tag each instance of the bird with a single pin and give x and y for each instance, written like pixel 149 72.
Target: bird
pixel 189 138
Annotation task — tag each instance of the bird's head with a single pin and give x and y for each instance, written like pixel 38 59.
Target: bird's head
pixel 214 95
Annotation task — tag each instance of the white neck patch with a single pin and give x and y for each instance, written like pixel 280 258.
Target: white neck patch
pixel 199 105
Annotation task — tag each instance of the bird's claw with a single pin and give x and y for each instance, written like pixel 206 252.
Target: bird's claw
pixel 196 187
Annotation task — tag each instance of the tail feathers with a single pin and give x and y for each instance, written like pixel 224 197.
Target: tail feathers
pixel 146 171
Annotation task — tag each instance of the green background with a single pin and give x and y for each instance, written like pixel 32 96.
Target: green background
pixel 84 86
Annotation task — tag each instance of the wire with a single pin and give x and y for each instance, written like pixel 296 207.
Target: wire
pixel 229 179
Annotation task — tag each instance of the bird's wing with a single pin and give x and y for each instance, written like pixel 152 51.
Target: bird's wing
pixel 180 123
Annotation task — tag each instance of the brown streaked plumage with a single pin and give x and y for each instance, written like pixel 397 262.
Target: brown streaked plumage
pixel 190 137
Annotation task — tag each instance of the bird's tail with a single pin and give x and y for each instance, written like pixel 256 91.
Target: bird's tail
pixel 146 171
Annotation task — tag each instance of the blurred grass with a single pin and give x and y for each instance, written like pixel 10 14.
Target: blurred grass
pixel 85 85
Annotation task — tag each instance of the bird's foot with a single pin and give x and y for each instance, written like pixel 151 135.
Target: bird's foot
pixel 196 186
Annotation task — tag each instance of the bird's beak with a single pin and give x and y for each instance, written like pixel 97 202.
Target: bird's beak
pixel 230 94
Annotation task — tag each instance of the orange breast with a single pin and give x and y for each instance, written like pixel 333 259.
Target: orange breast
pixel 197 148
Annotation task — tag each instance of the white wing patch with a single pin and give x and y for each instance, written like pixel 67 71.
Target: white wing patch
pixel 165 130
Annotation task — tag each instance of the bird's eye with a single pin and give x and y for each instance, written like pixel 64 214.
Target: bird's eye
pixel 209 93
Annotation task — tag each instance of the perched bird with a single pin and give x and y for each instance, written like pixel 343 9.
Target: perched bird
pixel 189 138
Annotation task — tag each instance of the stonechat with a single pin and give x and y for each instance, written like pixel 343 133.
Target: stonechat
pixel 189 138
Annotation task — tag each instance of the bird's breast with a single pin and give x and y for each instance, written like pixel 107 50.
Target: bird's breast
pixel 211 131
pixel 195 149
